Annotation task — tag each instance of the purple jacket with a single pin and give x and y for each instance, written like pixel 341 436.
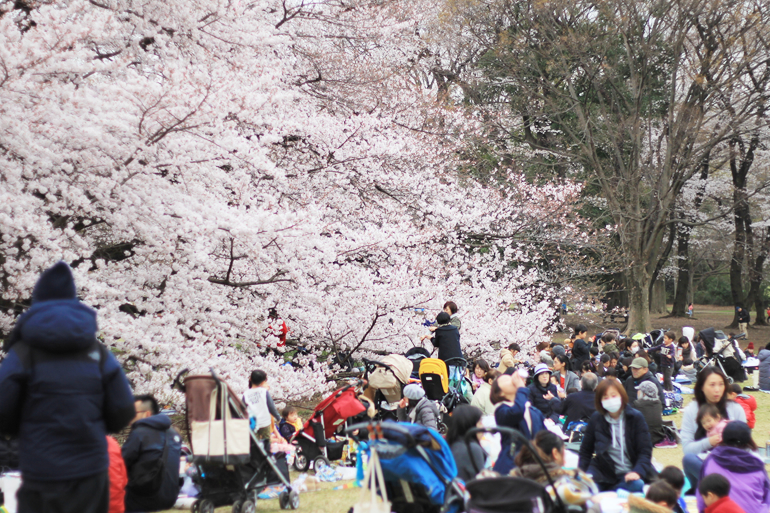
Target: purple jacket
pixel 750 487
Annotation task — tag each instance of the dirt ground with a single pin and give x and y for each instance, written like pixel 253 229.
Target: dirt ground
pixel 718 317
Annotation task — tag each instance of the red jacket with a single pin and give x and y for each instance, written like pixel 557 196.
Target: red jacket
pixel 749 404
pixel 118 477
pixel 724 505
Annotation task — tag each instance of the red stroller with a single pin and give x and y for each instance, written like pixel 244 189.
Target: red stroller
pixel 312 440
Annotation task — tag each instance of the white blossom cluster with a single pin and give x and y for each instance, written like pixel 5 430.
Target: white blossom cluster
pixel 199 162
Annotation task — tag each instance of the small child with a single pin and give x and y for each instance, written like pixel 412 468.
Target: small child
pixel 749 404
pixel 662 494
pixel 675 478
pixel 289 421
pixel 260 405
pixel 711 420
pixel 715 490
pixel 667 358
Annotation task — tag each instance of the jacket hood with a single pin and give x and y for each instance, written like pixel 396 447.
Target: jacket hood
pixel 708 335
pixel 737 460
pixel 55 283
pixel 61 326
pixel 160 422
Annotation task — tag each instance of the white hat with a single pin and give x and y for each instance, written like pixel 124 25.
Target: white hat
pixel 541 368
pixel 414 392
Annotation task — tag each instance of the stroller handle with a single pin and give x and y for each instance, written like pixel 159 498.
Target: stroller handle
pixel 519 436
pixel 376 427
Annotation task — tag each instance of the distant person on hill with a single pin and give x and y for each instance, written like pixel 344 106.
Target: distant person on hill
pixel 744 318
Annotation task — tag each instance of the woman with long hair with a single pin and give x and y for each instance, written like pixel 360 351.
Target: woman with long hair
pixel 464 418
pixel 711 388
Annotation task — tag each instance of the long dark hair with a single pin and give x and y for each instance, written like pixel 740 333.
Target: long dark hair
pixel 464 418
pixel 700 396
pixel 544 443
pixel 564 361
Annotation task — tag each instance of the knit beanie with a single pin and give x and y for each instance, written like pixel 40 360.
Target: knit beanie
pixel 414 392
pixel 648 391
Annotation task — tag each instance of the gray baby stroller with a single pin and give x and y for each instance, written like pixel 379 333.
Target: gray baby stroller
pixel 233 466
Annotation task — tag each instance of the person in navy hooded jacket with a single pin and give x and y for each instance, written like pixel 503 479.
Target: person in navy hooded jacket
pixel 62 392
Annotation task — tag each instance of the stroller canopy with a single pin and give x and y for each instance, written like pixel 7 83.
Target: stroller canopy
pixel 336 409
pixel 411 466
pixel 401 368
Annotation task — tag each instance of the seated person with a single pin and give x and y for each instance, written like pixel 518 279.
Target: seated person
pixel 550 447
pixel 675 478
pixel 616 448
pixel 715 490
pixel 416 408
pixel 153 482
pixel 289 422
pixel 463 419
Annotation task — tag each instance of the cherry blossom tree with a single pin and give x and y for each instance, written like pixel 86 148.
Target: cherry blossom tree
pixel 200 162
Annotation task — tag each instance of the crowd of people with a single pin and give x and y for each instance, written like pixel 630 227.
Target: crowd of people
pixel 614 391
pixel 63 392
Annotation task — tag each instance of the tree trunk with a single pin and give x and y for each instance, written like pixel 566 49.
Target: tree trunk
pixel 658 298
pixel 684 274
pixel 639 298
pixel 756 273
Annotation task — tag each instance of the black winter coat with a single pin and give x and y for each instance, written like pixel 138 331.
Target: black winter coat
pixel 597 439
pixel 577 407
pixel 653 415
pixel 631 384
pixel 447 339
pixel 145 443
pixel 546 406
pixel 580 353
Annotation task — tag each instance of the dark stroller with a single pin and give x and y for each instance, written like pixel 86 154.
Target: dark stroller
pixel 729 365
pixel 418 466
pixel 235 479
pixel 508 494
pixel 313 440
pixel 416 355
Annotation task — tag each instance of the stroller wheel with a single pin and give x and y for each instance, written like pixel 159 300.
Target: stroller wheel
pixel 205 506
pixel 237 505
pixel 320 462
pixel 730 380
pixel 301 462
pixel 248 507
pixel 289 500
pixel 442 428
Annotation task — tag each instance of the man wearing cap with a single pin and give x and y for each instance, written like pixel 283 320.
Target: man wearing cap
pixel 640 373
pixel 416 408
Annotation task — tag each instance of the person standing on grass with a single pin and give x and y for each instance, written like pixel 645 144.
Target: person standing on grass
pixel 711 388
pixel 61 392
pixel 744 318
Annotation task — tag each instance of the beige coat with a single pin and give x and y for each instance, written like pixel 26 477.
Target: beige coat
pixel 481 399
pixel 506 360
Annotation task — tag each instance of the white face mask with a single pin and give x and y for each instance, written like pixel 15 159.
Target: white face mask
pixel 634 349
pixel 612 404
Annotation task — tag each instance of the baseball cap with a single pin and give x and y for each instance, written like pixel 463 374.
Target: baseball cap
pixel 639 363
